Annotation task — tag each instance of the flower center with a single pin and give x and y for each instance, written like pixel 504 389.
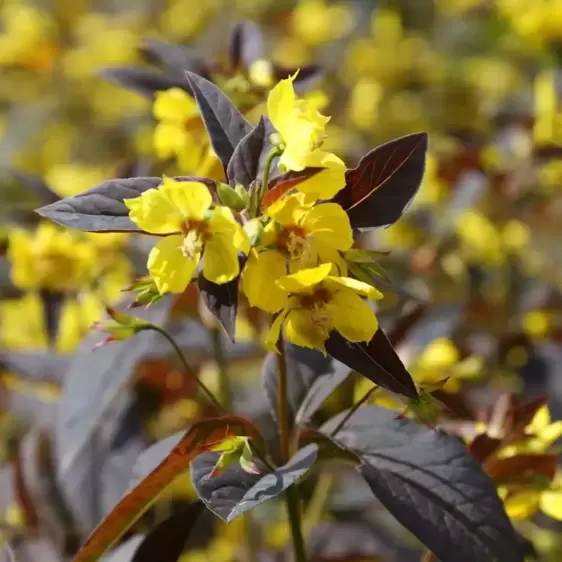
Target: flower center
pixel 196 234
pixel 294 242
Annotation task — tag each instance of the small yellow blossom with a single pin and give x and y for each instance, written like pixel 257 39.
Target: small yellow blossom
pixel 182 211
pixel 299 236
pixel 50 258
pixel 318 303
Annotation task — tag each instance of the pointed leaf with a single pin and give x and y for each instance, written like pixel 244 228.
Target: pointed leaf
pixel 282 184
pixel 234 492
pixel 385 181
pixel 311 378
pixel 376 361
pixel 146 492
pixel 225 125
pixel 431 484
pixel 246 44
pixel 166 541
pixel 139 80
pixel 222 300
pixel 175 59
pixel 101 208
pixel 52 306
pixel 244 165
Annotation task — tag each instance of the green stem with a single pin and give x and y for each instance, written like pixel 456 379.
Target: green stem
pixel 210 396
pixel 273 153
pixel 292 499
pixel 354 409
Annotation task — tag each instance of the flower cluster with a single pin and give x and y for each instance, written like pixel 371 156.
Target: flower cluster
pixel 293 250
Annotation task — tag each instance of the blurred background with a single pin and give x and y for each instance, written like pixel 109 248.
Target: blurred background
pixel 92 90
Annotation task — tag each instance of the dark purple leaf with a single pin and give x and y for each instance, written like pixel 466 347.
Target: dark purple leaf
pixel 376 361
pixel 385 181
pixel 52 306
pixel 431 484
pixel 225 125
pixel 244 165
pixel 222 300
pixel 140 80
pixel 175 59
pixel 307 78
pixel 311 377
pixel 234 492
pixel 101 208
pixel 246 44
pixel 166 541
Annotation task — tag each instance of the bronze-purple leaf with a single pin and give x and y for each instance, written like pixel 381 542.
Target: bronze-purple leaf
pixel 376 361
pixel 384 182
pixel 246 44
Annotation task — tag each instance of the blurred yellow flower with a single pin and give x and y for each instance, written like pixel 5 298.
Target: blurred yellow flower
pixel 316 22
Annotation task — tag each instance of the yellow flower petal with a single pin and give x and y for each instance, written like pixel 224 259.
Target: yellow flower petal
pixel 304 280
pixel 257 280
pixel 220 259
pixel 551 504
pixel 153 212
pixel 222 221
pixel 329 223
pixel 171 270
pixel 540 421
pixel 272 336
pixel 300 330
pixel 280 103
pixel 326 183
pixel 288 211
pixel 171 140
pixel 174 105
pixel 348 284
pixel 523 504
pixel 352 317
pixel 192 198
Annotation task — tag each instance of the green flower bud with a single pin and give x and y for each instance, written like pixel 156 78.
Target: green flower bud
pixel 254 230
pixel 229 197
pixel 243 193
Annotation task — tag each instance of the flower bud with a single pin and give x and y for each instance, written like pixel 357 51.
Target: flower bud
pixel 254 230
pixel 121 327
pixel 229 197
pixel 243 193
pixel 277 140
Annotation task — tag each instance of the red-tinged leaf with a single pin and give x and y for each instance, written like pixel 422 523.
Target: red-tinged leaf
pixel 281 185
pixel 521 469
pixel 524 412
pixel 142 496
pixel 385 181
pixel 483 446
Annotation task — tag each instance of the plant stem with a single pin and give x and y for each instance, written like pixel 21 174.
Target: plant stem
pixel 292 499
pixel 318 501
pixel 273 153
pixel 226 396
pixel 210 396
pixel 354 409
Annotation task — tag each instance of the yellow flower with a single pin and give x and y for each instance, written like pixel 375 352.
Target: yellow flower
pixel 301 127
pixel 318 303
pixel 299 236
pixel 50 258
pixel 182 210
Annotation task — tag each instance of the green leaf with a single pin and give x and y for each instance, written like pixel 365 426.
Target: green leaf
pixel 431 484
pixel 235 491
pixel 225 125
pixel 101 208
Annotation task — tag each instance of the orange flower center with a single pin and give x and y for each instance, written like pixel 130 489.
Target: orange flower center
pixel 293 242
pixel 196 234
